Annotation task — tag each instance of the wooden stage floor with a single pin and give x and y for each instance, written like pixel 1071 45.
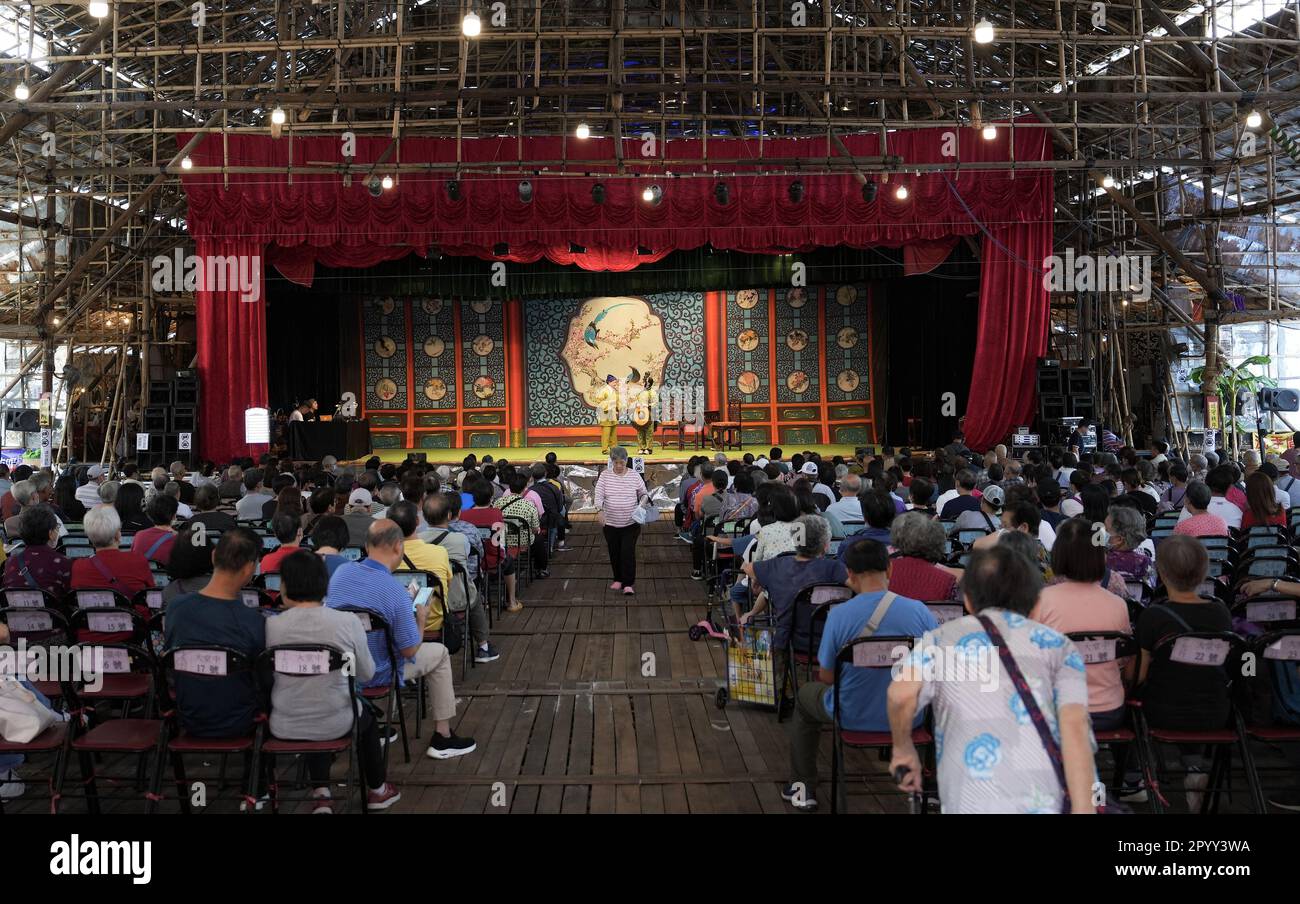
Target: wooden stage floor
pixel 588 455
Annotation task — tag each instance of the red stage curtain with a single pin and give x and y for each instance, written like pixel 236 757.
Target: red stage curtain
pixel 314 218
pixel 1012 334
pixel 232 356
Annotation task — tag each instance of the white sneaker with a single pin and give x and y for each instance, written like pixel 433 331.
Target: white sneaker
pixel 11 786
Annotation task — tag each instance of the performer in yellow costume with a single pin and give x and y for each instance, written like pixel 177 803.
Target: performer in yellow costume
pixel 606 400
pixel 643 412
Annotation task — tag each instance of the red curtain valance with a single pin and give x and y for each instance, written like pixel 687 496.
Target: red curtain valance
pixel 316 210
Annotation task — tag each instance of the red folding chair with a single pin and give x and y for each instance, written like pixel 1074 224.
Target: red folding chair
pixel 374 623
pixel 200 663
pixel 1100 647
pixel 130 672
pixel 306 662
pixel 1209 650
pixel 876 652
pixel 812 606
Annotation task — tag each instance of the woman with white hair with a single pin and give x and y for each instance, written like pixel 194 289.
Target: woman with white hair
pixel 619 490
pixel 110 568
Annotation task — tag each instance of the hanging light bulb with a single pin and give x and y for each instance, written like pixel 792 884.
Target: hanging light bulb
pixel 387 183
pixel 582 132
pixel 984 32
pixel 277 116
pixel 99 9
pixel 471 26
pixel 1253 119
pixel 901 193
pixel 187 163
pixel 1107 181
pixel 653 194
pixel 990 132
pixel 21 92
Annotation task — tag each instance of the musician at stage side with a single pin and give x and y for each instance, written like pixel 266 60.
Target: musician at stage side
pixel 606 401
pixel 643 413
pixel 306 411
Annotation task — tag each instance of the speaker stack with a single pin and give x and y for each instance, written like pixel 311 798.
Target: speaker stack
pixel 171 419
pixel 1063 392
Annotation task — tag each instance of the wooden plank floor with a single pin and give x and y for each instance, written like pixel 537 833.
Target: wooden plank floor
pixel 602 704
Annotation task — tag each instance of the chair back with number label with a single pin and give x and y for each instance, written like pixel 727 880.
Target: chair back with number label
pixel 878 651
pixel 374 624
pixel 1273 610
pixel 812 606
pixel 1226 652
pixel 300 662
pixel 945 611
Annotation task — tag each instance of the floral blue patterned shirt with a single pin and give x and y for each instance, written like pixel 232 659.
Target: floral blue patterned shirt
pixel 990 757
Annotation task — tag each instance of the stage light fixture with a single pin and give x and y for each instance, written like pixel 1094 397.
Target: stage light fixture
pixel 869 189
pixel 453 189
pixel 598 194
pixel 721 193
pixel 1253 119
pixel 277 116
pixel 796 191
pixel 653 194
pixel 525 192
pixel 21 92
pixel 387 183
pixel 471 26
pixel 984 32
pixel 582 132
pixel 901 193
pixel 1107 181
pixel 187 163
pixel 990 132
pixel 99 9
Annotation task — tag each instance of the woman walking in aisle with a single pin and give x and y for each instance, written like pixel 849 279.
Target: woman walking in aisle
pixel 619 491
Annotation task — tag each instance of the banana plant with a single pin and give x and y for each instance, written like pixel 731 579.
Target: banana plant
pixel 1234 381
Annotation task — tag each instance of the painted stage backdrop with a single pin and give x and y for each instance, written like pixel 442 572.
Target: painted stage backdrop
pixel 574 344
pixel 792 364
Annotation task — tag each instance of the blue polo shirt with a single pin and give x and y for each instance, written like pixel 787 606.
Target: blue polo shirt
pixel 863 690
pixel 370 585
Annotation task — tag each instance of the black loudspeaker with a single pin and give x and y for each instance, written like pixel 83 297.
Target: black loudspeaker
pixel 23 420
pixel 1051 408
pixel 1049 380
pixel 1278 399
pixel 1078 381
pixel 160 393
pixel 183 419
pixel 1082 406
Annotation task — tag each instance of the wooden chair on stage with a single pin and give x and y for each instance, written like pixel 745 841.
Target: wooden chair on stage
pixel 724 434
pixel 672 431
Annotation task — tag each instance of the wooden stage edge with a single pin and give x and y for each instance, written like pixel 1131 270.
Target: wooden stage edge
pixel 590 455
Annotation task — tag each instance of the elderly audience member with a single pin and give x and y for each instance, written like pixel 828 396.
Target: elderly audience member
pixel 916 570
pixel 38 565
pixel 110 567
pixel 1077 602
pixel 993 758
pixel 862 690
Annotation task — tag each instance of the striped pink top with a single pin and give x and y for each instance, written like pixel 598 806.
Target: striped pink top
pixel 617 496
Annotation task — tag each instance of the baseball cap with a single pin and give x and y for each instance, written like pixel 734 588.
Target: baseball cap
pixel 94 471
pixel 360 497
pixel 994 495
pixel 809 467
